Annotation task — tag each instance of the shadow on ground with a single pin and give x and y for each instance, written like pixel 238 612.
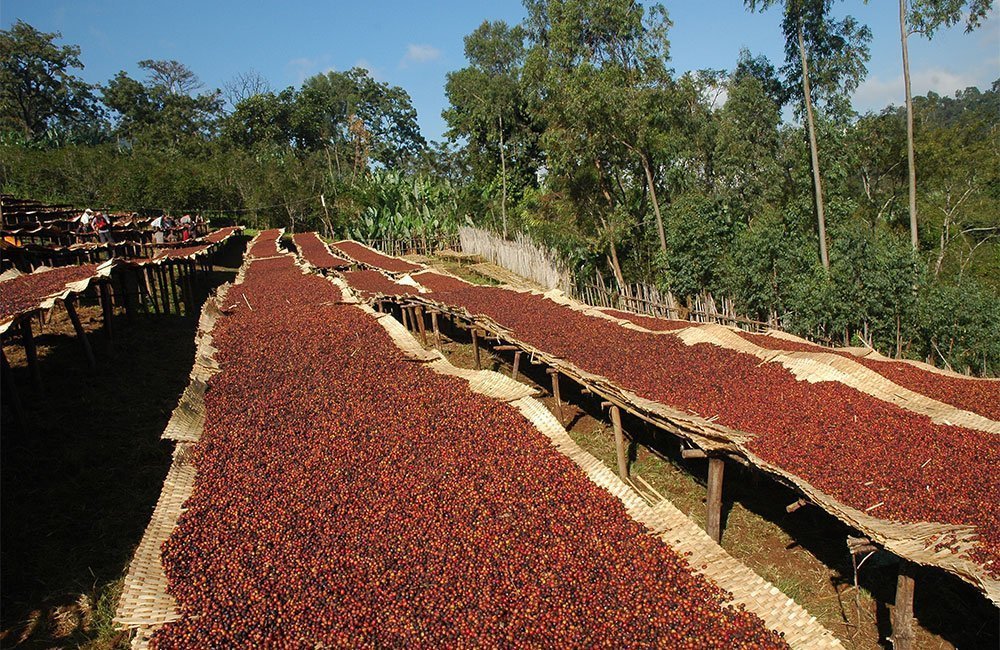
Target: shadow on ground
pixel 79 485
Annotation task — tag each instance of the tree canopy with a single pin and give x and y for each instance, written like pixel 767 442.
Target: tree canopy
pixel 572 127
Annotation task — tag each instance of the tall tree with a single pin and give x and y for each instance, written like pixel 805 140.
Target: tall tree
pixel 162 111
pixel 827 57
pixel 325 106
pixel 486 97
pixel 925 17
pixel 38 89
pixel 599 72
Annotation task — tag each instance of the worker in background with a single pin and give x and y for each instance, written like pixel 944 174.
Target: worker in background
pixel 83 224
pixel 102 226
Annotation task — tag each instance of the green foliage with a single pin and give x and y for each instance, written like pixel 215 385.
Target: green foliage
pixel 401 206
pixel 162 113
pixel 572 128
pixel 958 324
pixel 697 238
pixel 324 107
pixel 38 90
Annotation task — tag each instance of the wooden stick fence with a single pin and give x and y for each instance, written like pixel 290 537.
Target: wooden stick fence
pixel 415 245
pixel 648 300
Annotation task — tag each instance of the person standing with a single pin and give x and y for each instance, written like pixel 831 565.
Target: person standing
pixel 102 226
pixel 83 224
pixel 157 226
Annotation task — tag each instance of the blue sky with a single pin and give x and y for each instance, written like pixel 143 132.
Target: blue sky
pixel 415 44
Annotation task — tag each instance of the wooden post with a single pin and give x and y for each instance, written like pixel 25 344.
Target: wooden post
pixel 475 347
pixel 189 285
pixel 517 362
pixel 148 287
pixel 419 312
pixel 713 525
pixel 106 308
pixel 12 395
pixel 437 330
pixel 80 334
pixel 903 637
pixel 406 316
pixel 173 286
pixel 616 422
pixel 124 295
pixel 31 353
pixel 555 392
pixel 164 292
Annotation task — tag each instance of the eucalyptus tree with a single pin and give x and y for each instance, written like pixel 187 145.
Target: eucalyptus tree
pixel 925 17
pixel 827 58
pixel 163 111
pixel 487 99
pixel 600 79
pixel 331 108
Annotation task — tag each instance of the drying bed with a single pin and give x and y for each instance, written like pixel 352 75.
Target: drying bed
pixel 183 252
pixel 980 396
pixel 371 257
pixel 373 283
pixel 316 253
pixel 31 291
pixel 649 322
pixel 880 460
pixel 222 234
pixel 346 496
pixel 265 244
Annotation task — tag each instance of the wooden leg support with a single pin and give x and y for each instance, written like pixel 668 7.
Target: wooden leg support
pixel 164 291
pixel 419 311
pixel 903 637
pixel 555 392
pixel 517 363
pixel 148 288
pixel 437 330
pixel 173 287
pixel 616 423
pixel 475 347
pixel 406 317
pixel 31 353
pixel 80 334
pixel 106 308
pixel 713 526
pixel 189 272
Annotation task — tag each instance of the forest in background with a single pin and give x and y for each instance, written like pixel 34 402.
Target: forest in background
pixel 571 127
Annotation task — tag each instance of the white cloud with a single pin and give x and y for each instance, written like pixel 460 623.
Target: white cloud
pixel 877 93
pixel 420 54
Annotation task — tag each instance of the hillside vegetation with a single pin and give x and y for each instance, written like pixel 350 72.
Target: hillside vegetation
pixel 573 128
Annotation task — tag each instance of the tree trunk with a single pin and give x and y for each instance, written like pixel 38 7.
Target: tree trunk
pixel 656 203
pixel 813 152
pixel 616 267
pixel 909 127
pixel 503 182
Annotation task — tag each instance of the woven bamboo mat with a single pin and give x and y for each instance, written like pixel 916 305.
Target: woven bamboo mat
pixel 874 355
pixel 145 604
